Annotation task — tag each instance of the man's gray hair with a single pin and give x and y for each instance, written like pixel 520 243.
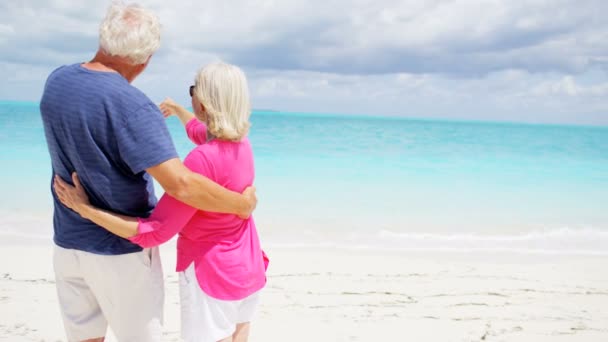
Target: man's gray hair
pixel 129 31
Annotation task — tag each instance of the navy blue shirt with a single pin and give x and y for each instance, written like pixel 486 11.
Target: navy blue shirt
pixel 108 131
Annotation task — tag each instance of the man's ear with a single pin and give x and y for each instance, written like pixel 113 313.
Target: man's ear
pixel 145 64
pixel 141 67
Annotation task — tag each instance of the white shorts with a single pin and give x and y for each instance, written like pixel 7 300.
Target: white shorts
pixel 123 291
pixel 207 319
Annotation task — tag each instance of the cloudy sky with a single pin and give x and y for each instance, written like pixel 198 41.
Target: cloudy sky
pixel 524 60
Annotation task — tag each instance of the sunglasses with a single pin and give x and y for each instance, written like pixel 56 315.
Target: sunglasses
pixel 191 90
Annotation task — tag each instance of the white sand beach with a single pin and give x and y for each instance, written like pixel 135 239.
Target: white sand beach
pixel 362 295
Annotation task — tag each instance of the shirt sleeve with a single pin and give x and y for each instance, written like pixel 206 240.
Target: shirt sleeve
pixel 197 131
pixel 168 218
pixel 170 215
pixel 144 140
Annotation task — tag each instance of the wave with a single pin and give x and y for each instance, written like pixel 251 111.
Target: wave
pixel 588 241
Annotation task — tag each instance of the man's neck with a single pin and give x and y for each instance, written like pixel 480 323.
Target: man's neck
pixel 105 63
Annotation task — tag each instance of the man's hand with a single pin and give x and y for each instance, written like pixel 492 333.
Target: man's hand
pixel 251 199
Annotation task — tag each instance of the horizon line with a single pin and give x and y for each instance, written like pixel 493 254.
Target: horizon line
pixel 320 114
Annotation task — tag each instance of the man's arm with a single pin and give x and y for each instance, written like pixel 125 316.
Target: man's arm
pixel 200 192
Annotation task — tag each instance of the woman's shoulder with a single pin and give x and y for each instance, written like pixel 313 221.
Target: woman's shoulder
pixel 214 156
pixel 201 154
pixel 217 148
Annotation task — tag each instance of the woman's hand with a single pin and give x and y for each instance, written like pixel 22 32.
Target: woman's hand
pixel 73 197
pixel 169 107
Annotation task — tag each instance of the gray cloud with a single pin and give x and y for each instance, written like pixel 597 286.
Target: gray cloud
pixel 549 39
pixel 362 37
pixel 496 59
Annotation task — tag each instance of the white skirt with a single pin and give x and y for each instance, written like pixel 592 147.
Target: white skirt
pixel 207 319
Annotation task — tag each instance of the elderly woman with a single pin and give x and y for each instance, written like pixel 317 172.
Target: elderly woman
pixel 221 264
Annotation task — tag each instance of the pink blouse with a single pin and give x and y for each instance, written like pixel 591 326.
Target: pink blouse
pixel 228 259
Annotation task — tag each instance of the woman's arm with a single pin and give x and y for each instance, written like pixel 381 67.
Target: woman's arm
pixel 123 226
pixel 170 107
pixel 196 130
pixel 75 198
pixel 167 219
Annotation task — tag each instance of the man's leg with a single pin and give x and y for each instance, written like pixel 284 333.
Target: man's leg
pixel 130 291
pixel 83 319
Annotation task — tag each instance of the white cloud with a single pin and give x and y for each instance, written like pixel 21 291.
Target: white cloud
pixel 6 29
pixel 5 32
pixel 568 87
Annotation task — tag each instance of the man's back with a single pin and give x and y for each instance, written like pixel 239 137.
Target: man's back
pixel 109 132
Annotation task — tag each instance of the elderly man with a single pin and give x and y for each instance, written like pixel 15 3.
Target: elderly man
pixel 100 126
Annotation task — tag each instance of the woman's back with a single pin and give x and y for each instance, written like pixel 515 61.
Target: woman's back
pixel 229 261
pixel 229 164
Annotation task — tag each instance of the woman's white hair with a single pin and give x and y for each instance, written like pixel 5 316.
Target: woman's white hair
pixel 129 31
pixel 223 91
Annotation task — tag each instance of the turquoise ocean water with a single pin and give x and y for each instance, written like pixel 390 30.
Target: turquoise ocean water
pixel 387 183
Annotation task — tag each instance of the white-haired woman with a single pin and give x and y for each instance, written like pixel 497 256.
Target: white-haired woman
pixel 221 264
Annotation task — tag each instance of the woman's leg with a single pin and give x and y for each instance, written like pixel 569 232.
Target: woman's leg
pixel 241 334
